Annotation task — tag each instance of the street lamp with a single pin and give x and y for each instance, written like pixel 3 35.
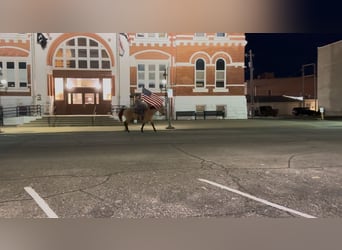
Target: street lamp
pixel 313 65
pixel 3 85
pixel 168 94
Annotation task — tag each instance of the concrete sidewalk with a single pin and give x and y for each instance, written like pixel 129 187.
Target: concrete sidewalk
pixel 180 125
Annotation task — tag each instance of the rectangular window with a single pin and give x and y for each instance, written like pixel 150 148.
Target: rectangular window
pixel 77 98
pixel 89 98
pixel 70 53
pixel 11 84
pixel 200 79
pixel 220 79
pixel 59 64
pixel 82 53
pixel 97 98
pixel 23 84
pixel 199 34
pixel 150 75
pixel 71 64
pixel 10 65
pixel 59 89
pixel 22 65
pixel 94 64
pixel 107 89
pixel 141 67
pixel 105 64
pixel 94 53
pixel 83 64
pixel 22 75
pixel 82 41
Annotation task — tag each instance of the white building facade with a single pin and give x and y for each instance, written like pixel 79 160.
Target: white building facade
pixel 89 73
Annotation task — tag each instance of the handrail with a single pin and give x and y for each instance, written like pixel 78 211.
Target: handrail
pixel 23 110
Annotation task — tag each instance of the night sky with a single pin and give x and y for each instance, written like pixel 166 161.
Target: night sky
pixel 285 53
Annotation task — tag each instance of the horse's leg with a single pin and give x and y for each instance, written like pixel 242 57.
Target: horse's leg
pixel 152 123
pixel 126 126
pixel 142 127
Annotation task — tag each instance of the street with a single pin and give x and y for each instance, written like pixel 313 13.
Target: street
pixel 221 169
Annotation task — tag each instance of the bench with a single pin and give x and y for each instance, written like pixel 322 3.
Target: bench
pixel 213 113
pixel 186 113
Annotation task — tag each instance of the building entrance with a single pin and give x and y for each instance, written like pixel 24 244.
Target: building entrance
pixel 82 96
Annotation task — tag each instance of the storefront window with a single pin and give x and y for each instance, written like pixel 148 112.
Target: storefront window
pixel 107 89
pixel 59 89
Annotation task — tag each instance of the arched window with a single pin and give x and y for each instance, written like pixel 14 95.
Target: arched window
pixel 82 53
pixel 220 74
pixel 200 73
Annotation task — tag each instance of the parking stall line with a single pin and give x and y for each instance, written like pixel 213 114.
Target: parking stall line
pixel 41 203
pixel 258 199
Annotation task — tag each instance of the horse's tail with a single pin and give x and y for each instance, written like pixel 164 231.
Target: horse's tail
pixel 121 113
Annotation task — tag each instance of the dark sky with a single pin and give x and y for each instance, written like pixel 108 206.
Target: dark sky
pixel 285 53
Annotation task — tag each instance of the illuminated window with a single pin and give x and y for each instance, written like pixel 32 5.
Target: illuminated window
pixel 59 89
pixel 82 53
pixel 89 98
pixel 77 98
pixel 107 89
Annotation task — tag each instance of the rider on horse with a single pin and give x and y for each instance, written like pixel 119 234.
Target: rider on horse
pixel 139 107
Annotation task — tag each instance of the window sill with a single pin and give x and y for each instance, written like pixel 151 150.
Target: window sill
pixel 220 90
pixel 200 90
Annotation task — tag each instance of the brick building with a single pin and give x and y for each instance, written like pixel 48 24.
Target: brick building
pixel 84 73
pixel 276 92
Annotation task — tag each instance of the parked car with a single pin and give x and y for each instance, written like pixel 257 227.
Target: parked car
pixel 301 111
pixel 266 111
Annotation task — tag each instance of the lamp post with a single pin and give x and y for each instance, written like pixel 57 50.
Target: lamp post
pixel 251 85
pixel 168 94
pixel 313 65
pixel 3 85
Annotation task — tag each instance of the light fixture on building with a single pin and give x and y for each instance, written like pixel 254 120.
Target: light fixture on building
pixel 42 40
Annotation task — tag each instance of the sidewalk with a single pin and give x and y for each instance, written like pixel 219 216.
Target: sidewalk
pixel 179 125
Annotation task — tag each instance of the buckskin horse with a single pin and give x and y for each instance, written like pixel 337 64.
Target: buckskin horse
pixel 130 115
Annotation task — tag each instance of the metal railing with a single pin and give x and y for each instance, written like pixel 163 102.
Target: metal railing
pixel 28 110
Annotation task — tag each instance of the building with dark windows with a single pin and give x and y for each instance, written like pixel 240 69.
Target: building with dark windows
pixel 90 73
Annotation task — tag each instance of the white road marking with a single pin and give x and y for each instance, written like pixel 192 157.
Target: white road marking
pixel 41 203
pixel 258 199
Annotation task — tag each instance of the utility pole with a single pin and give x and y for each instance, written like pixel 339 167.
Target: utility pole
pixel 251 84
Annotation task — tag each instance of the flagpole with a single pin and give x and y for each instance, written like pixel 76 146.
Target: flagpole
pixel 118 67
pixel 33 68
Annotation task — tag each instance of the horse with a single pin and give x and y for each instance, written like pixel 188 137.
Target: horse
pixel 130 115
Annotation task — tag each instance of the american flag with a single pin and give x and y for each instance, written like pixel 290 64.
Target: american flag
pixel 151 98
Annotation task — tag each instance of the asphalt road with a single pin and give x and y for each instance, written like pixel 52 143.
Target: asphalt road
pixel 224 169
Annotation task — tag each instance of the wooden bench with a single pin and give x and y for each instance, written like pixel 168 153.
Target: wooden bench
pixel 186 113
pixel 213 113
